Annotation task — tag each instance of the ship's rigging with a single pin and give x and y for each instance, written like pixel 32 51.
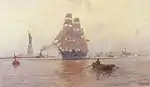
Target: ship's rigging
pixel 72 35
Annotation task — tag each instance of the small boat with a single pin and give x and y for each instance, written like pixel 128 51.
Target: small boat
pixel 111 54
pixel 40 55
pixel 125 53
pixel 104 67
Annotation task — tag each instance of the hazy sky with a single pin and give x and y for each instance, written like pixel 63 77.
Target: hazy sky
pixel 107 23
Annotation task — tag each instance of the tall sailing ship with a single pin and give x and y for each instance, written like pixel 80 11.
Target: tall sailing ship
pixel 71 41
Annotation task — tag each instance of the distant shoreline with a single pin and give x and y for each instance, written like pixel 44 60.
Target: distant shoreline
pixel 59 58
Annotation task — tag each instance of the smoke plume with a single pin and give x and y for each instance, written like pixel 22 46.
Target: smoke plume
pixel 86 3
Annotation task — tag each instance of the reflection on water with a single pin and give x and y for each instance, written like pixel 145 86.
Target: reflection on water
pixel 106 70
pixel 71 73
pixel 132 72
pixel 107 73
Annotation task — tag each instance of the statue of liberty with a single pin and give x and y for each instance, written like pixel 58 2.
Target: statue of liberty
pixel 30 50
pixel 30 37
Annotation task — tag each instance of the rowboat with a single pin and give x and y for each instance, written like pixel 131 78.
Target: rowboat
pixel 104 67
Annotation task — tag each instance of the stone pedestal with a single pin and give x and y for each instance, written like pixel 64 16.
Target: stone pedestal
pixel 30 50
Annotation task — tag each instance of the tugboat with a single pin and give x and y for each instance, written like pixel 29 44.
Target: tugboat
pixel 15 63
pixel 71 41
pixel 40 55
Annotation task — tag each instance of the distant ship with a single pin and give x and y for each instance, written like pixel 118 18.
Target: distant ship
pixel 71 41
pixel 125 53
pixel 98 54
pixel 40 55
pixel 105 54
pixel 111 54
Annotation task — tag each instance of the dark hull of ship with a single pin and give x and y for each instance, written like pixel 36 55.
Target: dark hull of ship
pixel 73 56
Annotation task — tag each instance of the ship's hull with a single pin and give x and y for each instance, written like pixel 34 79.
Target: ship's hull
pixel 127 54
pixel 73 56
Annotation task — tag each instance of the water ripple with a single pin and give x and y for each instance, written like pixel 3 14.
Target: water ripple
pixel 50 73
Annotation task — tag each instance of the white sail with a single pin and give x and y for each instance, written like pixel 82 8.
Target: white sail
pixel 72 35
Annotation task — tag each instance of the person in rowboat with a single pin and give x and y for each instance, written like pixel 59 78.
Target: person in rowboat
pixel 97 62
pixel 94 64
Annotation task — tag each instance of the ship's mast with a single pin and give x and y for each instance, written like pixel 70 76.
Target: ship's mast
pixel 72 35
pixel 79 35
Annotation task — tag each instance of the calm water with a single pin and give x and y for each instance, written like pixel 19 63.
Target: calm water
pixel 132 72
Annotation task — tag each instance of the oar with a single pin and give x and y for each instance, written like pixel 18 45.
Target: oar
pixel 85 67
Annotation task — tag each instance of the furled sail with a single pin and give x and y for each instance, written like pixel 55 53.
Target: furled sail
pixel 71 36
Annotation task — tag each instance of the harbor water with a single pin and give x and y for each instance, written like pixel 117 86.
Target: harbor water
pixel 132 72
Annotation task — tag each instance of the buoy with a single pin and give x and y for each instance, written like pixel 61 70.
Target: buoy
pixel 15 63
